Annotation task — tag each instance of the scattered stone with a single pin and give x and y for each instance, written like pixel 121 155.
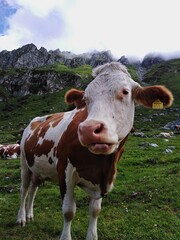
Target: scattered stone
pixel 147 144
pixel 171 147
pixel 168 151
pixel 153 145
pixel 152 161
pixel 139 134
pixel 172 125
pixel 143 144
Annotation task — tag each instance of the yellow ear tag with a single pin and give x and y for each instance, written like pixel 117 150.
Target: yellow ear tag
pixel 157 104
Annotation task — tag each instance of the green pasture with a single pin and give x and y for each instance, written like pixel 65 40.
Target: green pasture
pixel 145 201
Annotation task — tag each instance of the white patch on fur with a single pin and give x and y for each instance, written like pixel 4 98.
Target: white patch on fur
pixel 43 169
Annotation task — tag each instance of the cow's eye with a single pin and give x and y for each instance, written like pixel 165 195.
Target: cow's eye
pixel 125 92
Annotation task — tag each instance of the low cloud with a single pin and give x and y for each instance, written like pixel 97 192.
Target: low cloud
pixel 127 28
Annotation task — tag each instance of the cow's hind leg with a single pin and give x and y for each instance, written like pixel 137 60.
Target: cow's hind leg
pixel 94 210
pixel 31 196
pixel 25 182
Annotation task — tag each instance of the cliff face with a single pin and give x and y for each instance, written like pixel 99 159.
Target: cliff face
pixel 27 70
pixel 30 57
pixel 22 83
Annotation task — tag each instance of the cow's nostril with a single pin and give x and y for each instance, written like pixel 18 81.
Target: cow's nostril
pixel 98 129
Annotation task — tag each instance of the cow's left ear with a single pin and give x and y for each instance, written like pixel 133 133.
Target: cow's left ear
pixel 74 96
pixel 146 96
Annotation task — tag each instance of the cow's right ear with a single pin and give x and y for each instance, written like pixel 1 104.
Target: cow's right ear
pixel 74 96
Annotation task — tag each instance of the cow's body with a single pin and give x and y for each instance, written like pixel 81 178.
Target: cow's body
pixel 10 151
pixel 81 147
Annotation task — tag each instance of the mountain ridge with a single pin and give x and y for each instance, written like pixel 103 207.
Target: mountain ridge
pixel 29 56
pixel 28 70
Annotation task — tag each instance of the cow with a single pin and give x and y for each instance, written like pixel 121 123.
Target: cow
pixel 10 151
pixel 81 147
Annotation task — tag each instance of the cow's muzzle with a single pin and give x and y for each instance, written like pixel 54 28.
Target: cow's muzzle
pixel 94 135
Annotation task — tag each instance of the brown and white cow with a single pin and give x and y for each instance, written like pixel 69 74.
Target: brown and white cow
pixel 82 147
pixel 10 151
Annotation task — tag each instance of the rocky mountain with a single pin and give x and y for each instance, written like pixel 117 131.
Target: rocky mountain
pixel 28 70
pixel 34 81
pixel 30 57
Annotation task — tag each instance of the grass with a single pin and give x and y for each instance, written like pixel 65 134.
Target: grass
pixel 144 203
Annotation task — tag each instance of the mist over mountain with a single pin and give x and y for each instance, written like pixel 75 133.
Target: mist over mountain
pixel 29 56
pixel 29 70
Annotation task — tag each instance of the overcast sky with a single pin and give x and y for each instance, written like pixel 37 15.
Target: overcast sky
pixel 125 27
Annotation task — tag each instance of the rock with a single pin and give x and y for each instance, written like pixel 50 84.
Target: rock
pixel 171 147
pixel 172 125
pixel 168 151
pixel 139 134
pixel 100 58
pixel 36 81
pixel 30 57
pixel 147 144
pixel 150 60
pixel 153 145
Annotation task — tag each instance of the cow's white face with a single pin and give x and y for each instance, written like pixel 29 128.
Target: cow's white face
pixel 110 111
pixel 110 106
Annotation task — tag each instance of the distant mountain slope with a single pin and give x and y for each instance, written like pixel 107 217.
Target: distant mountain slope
pixel 28 70
pixel 30 57
pixel 166 73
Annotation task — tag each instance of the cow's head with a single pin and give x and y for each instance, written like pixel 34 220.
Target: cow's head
pixel 109 99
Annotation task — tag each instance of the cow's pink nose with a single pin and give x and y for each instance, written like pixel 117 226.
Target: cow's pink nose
pixel 91 132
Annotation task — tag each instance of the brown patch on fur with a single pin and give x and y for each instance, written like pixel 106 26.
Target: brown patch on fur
pixel 32 148
pixel 57 119
pixel 147 95
pixel 43 148
pixel 68 216
pixel 96 213
pixel 34 125
pixel 98 169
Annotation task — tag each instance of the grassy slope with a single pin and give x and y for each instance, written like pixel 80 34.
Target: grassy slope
pixel 168 74
pixel 144 203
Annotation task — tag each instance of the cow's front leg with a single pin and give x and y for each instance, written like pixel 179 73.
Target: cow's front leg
pixel 69 210
pixel 94 210
pixel 69 206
